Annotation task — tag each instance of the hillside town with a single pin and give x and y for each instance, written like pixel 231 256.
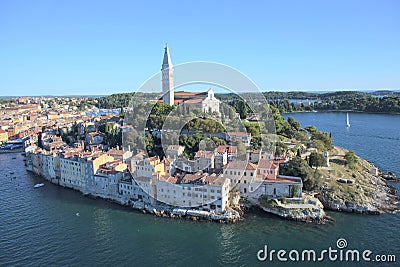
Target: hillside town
pixel 210 171
pixel 212 183
pixel 71 143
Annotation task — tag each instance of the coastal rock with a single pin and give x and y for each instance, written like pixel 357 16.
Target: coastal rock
pixel 311 210
pixel 389 176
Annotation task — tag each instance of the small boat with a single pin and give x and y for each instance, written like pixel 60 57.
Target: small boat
pixel 347 121
pixel 38 185
pixel 11 172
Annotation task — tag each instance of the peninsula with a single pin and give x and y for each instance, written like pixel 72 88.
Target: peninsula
pixel 211 170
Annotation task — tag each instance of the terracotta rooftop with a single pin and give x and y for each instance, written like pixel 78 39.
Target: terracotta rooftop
pixel 241 165
pixel 183 94
pixel 194 101
pixel 267 164
pixel 116 152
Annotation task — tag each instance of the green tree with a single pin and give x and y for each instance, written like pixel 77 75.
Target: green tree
pixel 351 159
pixel 316 160
pixel 280 149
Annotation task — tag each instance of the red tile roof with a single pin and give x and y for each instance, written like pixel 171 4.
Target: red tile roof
pixel 241 165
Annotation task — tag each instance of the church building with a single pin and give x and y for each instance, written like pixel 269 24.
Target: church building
pixel 206 101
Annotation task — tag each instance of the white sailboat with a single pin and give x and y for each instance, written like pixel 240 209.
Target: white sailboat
pixel 347 121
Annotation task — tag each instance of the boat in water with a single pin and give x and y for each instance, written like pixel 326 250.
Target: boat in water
pixel 347 121
pixel 38 185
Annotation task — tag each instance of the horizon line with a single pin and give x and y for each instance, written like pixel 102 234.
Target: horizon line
pixel 266 91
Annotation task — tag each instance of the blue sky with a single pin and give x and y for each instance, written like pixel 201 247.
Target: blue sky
pixel 103 47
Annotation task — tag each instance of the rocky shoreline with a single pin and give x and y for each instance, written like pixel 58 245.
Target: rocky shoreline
pixel 376 196
pixel 382 201
pixel 229 216
pixel 309 210
pixel 389 176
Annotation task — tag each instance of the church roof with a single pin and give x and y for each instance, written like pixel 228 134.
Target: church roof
pixel 183 94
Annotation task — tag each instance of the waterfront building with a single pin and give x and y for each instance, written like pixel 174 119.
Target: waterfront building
pixel 267 169
pixel 241 173
pixel 3 136
pixel 199 190
pixel 282 186
pixel 77 169
pixel 148 167
pixel 105 182
pixel 129 190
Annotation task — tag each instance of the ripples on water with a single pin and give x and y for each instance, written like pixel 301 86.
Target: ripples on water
pixel 39 227
pixel 374 137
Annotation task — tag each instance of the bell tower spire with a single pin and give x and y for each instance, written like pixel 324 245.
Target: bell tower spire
pixel 167 78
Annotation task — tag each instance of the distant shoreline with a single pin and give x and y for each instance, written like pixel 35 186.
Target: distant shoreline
pixel 336 110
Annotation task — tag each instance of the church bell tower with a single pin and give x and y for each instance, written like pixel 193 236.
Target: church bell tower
pixel 167 78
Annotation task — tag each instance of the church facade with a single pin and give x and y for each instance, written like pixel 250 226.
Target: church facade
pixel 206 101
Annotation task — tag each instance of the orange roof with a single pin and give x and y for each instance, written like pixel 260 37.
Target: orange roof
pixel 153 158
pixel 178 94
pixel 206 154
pixel 267 164
pixel 241 165
pixel 115 152
pixel 221 149
pixel 2 131
pixel 231 149
pixel 194 101
pixel 177 101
